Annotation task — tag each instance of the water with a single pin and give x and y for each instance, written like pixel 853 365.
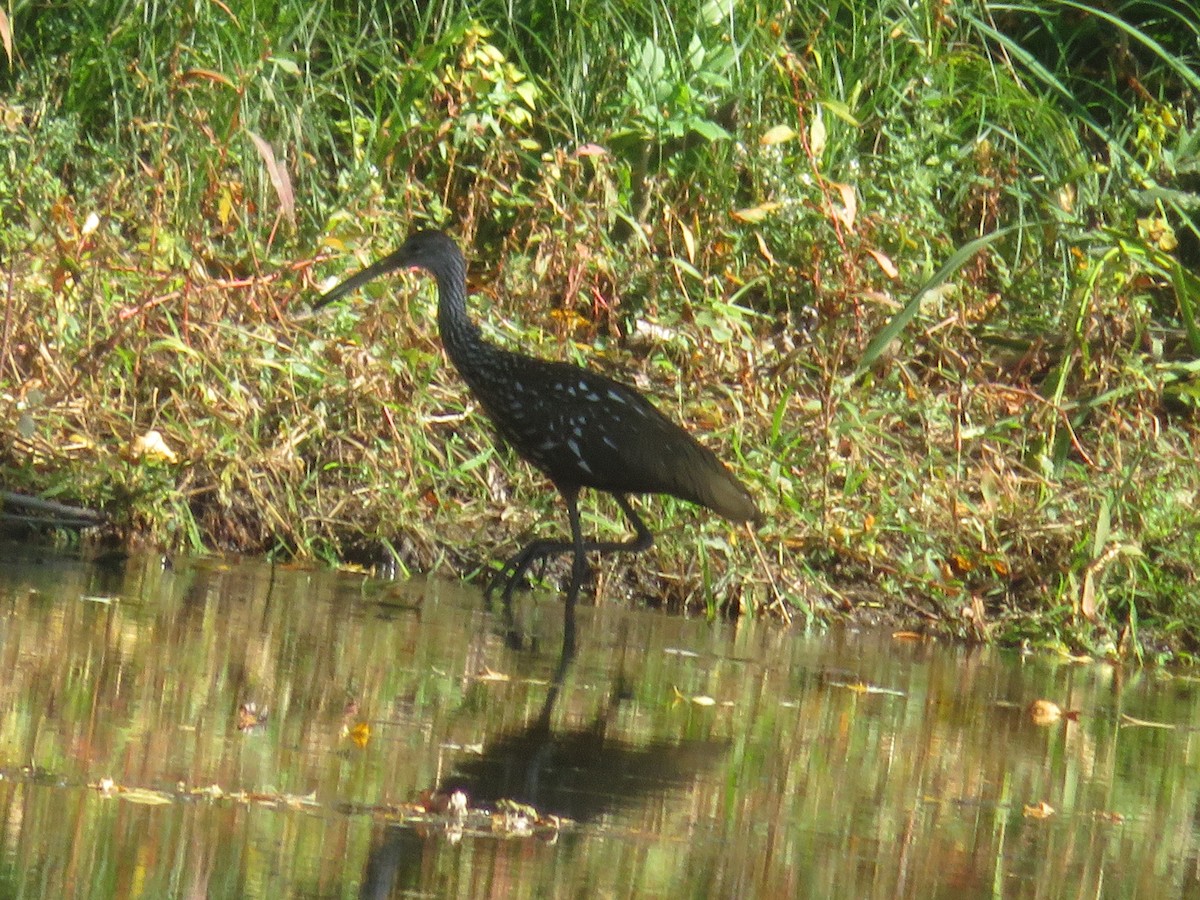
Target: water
pixel 692 759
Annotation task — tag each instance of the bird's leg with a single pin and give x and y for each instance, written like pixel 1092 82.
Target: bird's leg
pixel 514 570
pixel 578 570
pixel 643 540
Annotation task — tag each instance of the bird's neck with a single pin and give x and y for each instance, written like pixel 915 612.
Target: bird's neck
pixel 460 336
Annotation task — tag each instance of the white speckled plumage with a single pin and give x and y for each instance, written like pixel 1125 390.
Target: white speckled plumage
pixel 581 428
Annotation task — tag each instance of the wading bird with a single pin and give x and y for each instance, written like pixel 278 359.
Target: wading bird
pixel 580 428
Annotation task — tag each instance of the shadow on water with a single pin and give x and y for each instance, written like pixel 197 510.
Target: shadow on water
pixel 231 729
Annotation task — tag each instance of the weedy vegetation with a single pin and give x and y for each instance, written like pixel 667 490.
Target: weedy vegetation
pixel 924 273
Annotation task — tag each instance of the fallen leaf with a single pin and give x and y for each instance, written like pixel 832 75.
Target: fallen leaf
pixel 152 445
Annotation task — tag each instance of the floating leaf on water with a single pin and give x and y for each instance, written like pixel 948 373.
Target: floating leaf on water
pixel 862 687
pixel 700 700
pixel 299 801
pixel 145 796
pixel 1144 723
pixel 250 717
pixel 360 734
pixel 1044 712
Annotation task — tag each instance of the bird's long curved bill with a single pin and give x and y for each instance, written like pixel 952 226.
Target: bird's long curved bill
pixel 389 263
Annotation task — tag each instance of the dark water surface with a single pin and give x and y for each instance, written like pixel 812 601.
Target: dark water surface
pixel 693 759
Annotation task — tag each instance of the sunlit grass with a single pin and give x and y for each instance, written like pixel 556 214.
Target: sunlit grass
pixel 735 206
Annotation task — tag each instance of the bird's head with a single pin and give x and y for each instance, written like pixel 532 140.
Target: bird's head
pixel 429 250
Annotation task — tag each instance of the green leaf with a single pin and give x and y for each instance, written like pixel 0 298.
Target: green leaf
pixel 709 130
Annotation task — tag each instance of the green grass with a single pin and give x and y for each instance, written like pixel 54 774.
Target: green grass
pixel 924 275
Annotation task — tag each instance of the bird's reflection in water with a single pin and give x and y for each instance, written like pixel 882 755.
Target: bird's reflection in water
pixel 579 774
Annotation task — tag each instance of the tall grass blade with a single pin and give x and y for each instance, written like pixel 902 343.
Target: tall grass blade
pixel 898 323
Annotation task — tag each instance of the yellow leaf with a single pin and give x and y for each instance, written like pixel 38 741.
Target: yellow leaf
pixel 6 35
pixel 754 214
pixel 817 135
pixel 689 242
pixel 1087 598
pixel 225 207
pixel 885 263
pixel 777 135
pixel 151 445
pixel 848 211
pixel 764 249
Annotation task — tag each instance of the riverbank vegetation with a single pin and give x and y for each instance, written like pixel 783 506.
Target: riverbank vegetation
pixel 923 273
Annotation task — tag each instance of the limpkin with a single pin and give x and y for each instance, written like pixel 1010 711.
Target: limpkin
pixel 580 428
